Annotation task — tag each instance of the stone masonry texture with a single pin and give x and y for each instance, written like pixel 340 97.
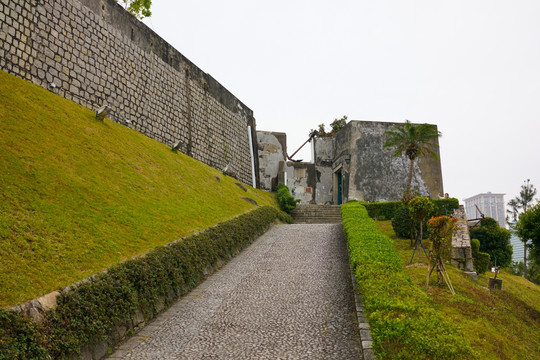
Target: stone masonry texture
pixel 95 53
pixel 287 296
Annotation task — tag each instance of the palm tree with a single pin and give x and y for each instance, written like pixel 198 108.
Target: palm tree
pixel 413 140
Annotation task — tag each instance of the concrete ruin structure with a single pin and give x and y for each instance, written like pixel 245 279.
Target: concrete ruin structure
pixel 461 242
pixel 351 165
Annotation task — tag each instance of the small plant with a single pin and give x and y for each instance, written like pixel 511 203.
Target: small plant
pixel 419 209
pixel 285 200
pixel 404 226
pixel 441 229
pixel 225 152
pixel 336 125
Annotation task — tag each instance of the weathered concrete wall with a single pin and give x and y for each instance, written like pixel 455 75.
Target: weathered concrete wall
pixel 301 180
pixel 96 53
pixel 461 242
pixel 324 160
pixel 375 174
pixel 272 154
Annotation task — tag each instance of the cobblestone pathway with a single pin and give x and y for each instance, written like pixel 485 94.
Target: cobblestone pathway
pixel 287 296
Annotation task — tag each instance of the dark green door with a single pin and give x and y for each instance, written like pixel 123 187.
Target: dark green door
pixel 339 188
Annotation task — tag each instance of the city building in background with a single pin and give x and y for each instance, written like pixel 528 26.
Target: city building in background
pixel 517 246
pixel 486 205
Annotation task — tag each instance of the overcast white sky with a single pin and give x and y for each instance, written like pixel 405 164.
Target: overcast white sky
pixel 472 67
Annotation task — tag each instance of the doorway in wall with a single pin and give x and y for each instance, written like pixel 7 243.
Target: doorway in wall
pixel 338 186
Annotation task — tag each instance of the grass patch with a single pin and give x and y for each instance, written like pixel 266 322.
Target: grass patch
pixel 498 324
pixel 78 195
pixel 98 313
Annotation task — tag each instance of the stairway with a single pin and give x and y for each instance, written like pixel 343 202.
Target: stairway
pixel 317 214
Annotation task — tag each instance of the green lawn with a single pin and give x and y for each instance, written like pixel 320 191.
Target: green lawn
pixel 78 195
pixel 499 324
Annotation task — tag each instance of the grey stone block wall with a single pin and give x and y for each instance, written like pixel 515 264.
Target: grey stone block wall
pixel 96 53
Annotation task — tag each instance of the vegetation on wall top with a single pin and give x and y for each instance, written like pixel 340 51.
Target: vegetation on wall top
pixel 138 8
pixel 335 125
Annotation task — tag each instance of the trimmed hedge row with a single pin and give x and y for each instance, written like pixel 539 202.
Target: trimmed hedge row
pixel 387 210
pixel 404 324
pixel 382 210
pixel 445 207
pixel 103 309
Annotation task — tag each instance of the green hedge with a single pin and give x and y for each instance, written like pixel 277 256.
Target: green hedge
pixel 382 210
pixel 386 210
pixel 404 324
pixel 445 206
pixel 94 310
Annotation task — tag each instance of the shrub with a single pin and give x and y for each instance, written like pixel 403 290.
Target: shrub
pixel 406 228
pixel 494 240
pixel 404 324
pixel 285 200
pixel 284 217
pixel 20 338
pixel 382 210
pixel 388 210
pixel 91 312
pixel 445 207
pixel 480 259
pixel 403 224
pixel 482 262
pixel 441 229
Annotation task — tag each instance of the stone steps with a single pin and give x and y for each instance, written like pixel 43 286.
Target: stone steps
pixel 317 214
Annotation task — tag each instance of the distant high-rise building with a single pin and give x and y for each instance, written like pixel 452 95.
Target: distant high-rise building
pixel 517 246
pixel 488 204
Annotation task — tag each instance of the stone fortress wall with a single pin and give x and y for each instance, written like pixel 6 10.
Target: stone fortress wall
pixel 95 53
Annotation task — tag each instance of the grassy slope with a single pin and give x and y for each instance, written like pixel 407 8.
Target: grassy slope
pixel 78 195
pixel 499 324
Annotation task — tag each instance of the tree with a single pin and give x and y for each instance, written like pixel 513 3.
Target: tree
pixel 522 202
pixel 528 227
pixel 441 229
pixel 413 141
pixel 138 8
pixel 494 240
pixel 419 208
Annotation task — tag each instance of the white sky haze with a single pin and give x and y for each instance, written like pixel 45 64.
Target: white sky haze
pixel 470 67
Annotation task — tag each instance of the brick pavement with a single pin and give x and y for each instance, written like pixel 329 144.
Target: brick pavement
pixel 287 296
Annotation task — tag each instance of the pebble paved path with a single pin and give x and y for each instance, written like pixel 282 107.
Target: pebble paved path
pixel 287 296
